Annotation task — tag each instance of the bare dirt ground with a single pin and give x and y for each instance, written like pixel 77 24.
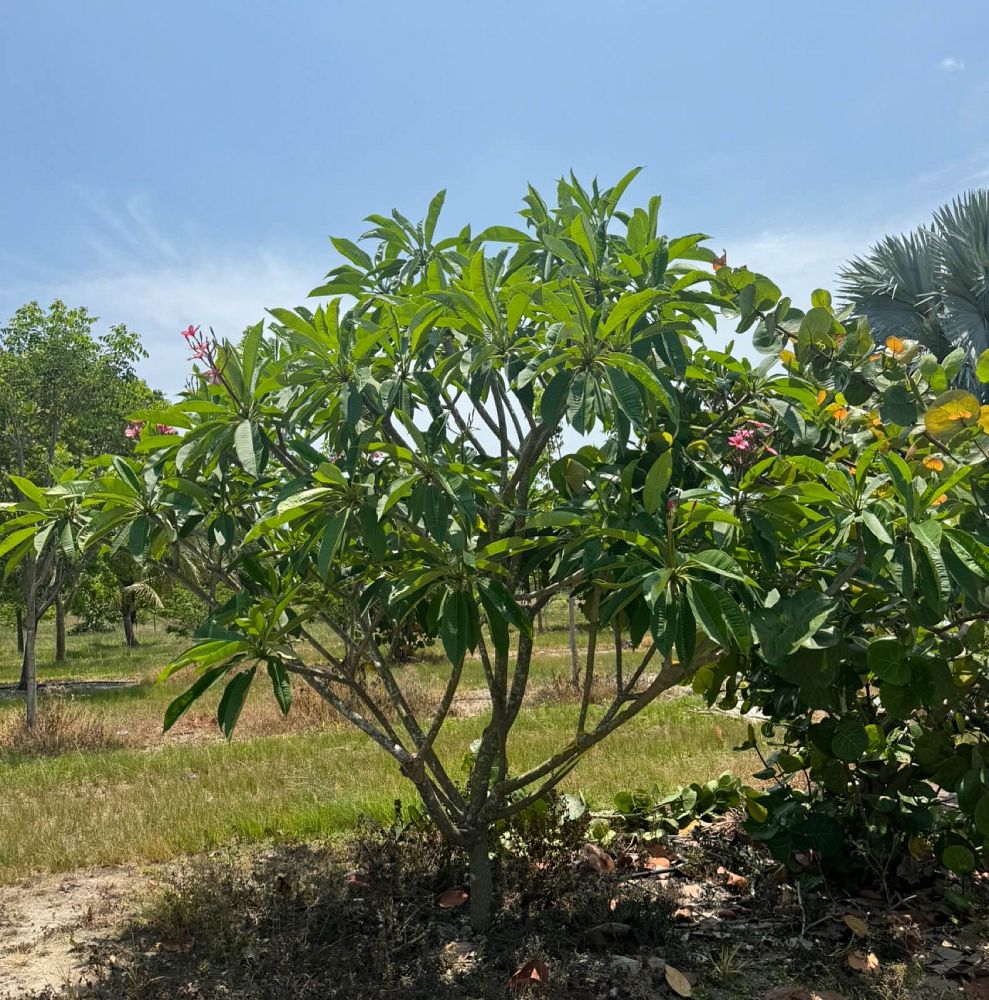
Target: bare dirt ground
pixel 48 924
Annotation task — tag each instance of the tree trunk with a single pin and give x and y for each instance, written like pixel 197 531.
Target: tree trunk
pixel 29 671
pixel 129 636
pixel 20 630
pixel 128 614
pixel 618 656
pixel 481 885
pixel 59 631
pixel 574 664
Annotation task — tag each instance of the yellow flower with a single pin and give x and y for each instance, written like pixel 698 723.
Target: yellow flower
pixel 940 500
pixel 821 396
pixel 933 462
pixel 894 345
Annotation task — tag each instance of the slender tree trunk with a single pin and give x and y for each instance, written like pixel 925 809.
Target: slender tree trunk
pixel 29 671
pixel 574 663
pixel 29 665
pixel 20 630
pixel 481 884
pixel 59 631
pixel 618 656
pixel 129 636
pixel 128 614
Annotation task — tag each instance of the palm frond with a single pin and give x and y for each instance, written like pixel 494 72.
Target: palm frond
pixel 962 244
pixel 894 286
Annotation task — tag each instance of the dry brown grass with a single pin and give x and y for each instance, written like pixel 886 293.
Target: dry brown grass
pixel 64 725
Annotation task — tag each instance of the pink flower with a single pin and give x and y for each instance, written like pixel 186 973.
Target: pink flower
pixel 214 376
pixel 190 332
pixel 164 429
pixel 199 351
pixel 133 429
pixel 741 440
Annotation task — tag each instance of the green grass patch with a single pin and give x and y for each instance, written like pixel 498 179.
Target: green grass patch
pixel 131 806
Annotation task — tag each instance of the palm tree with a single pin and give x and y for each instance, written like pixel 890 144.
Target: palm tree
pixel 931 285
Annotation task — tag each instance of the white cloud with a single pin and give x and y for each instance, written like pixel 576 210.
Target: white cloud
pixel 226 293
pixel 952 65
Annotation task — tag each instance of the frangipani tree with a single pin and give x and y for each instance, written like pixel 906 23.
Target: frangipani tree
pixel 389 458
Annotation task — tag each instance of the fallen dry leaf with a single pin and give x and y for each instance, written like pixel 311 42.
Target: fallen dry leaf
pixel 856 925
pixel 453 898
pixel 734 881
pixel 597 859
pixel 862 962
pixel 683 915
pixel 534 971
pixel 357 879
pixel 657 864
pixel 678 982
pixel 692 890
pixel 976 989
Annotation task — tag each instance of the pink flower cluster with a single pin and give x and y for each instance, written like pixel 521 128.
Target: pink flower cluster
pixel 134 428
pixel 752 438
pixel 203 350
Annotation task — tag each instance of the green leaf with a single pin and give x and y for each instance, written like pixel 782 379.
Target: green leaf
pixel 959 859
pixel 555 396
pixel 137 536
pixel 627 395
pixel 499 595
pixel 850 741
pixel 657 385
pixel 30 491
pixel 876 527
pixel 433 214
pixel 969 550
pixel 898 407
pixel 497 623
pixel 657 480
pixel 15 538
pixel 899 473
pixel 886 658
pixel 232 702
pixel 454 625
pixel 686 632
pixel 718 562
pixel 330 542
pixel 352 252
pixel 981 814
pixel 707 612
pixel 244 447
pixel 281 684
pixel 982 367
pixel 181 704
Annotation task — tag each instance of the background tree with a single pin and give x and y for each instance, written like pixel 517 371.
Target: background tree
pixel 931 285
pixel 64 396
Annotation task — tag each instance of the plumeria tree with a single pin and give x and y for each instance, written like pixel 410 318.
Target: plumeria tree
pixel 468 426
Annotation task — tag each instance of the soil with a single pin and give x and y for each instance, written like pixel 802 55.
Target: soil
pixel 49 923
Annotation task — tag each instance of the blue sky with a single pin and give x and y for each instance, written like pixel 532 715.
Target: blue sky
pixel 185 162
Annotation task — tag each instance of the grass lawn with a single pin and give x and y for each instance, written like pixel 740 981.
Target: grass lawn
pixel 128 794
